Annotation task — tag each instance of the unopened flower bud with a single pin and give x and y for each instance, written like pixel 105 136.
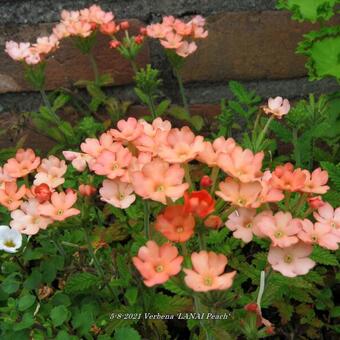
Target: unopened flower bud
pixel 124 25
pixel 114 43
pixel 42 193
pixel 213 221
pixel 315 202
pixel 206 181
pixel 251 307
pixel 86 189
pixel 143 31
pixel 139 39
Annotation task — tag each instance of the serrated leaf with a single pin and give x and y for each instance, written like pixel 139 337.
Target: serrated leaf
pixel 324 256
pixel 59 315
pixel 175 287
pixel 171 304
pixel 80 282
pixel 26 302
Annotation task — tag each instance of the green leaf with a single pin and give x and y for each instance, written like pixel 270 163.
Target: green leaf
pixel 162 107
pixel 310 10
pixel 60 101
pixel 171 304
pixel 333 172
pixel 197 122
pixel 126 333
pixel 324 256
pixel 59 315
pixel 131 295
pixel 11 283
pixel 26 322
pixel 175 287
pixel 26 302
pixel 80 282
pixel 281 131
pixel 335 312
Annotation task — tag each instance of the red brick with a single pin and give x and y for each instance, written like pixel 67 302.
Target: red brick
pixel 67 65
pixel 248 46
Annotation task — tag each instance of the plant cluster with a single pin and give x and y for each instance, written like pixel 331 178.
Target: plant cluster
pixel 150 228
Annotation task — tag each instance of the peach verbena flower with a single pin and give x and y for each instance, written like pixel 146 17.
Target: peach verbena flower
pixel 242 164
pixel 60 207
pixel 181 146
pixel 315 181
pixel 199 203
pixel 327 215
pixel 27 220
pixel 208 272
pixel 128 130
pixel 291 261
pixel 318 233
pixel 51 172
pixel 10 196
pixel 286 178
pixel 157 263
pixel 86 190
pixel 177 35
pixel 79 160
pixel 117 193
pixel 277 107
pixel 158 181
pixel 94 147
pixel 281 228
pixel 23 163
pixel 175 224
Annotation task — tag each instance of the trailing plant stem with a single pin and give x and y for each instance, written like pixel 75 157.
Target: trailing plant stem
pixel 147 230
pixel 94 68
pixel 187 176
pixel 181 90
pixel 214 175
pixel 297 155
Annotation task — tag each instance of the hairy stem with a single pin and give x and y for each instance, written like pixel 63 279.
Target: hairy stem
pixel 181 90
pixel 94 67
pixel 187 176
pixel 147 230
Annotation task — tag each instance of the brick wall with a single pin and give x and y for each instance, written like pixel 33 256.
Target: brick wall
pixel 248 41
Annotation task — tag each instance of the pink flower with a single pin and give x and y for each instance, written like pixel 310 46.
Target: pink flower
pixel 285 177
pixel 327 215
pixel 182 146
pixel 95 147
pixel 157 263
pixel 128 130
pixel 158 31
pixel 117 193
pixel 4 178
pixel 17 51
pixel 198 23
pixel 158 124
pixel 315 181
pixel 172 40
pixel 60 207
pixel 175 224
pixel 269 193
pixel 240 194
pixel 241 223
pixel 79 160
pixel 208 272
pixel 158 180
pixel 181 27
pixel 211 151
pixel 318 233
pixel 113 164
pixel 291 261
pixel 281 228
pixel 185 49
pixel 315 202
pixel 277 107
pixel 61 31
pixel 27 220
pixel 11 196
pixel 242 164
pixel 51 172
pixel 256 227
pixel 45 45
pixel 22 164
pixel 136 164
pixel 74 25
pixel 96 15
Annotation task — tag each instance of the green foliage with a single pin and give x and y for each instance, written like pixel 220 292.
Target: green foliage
pixel 309 10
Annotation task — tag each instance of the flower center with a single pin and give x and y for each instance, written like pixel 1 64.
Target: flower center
pixel 180 229
pixel 115 167
pixel 333 225
pixel 160 188
pixel 314 238
pixel 249 225
pixel 9 201
pixel 288 258
pixel 241 201
pixel 159 268
pixel 208 281
pixel 121 196
pixel 9 244
pixel 60 212
pixel 278 234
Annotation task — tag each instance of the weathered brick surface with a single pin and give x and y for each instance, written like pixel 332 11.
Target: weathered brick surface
pixel 68 64
pixel 248 46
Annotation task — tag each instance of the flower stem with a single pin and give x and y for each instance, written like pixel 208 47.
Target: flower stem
pixel 263 134
pixel 96 263
pixel 287 198
pixel 300 202
pixel 181 90
pixel 147 230
pixel 197 308
pixel 214 175
pixel 94 68
pixel 187 176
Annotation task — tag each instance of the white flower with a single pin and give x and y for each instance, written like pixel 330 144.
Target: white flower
pixel 10 239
